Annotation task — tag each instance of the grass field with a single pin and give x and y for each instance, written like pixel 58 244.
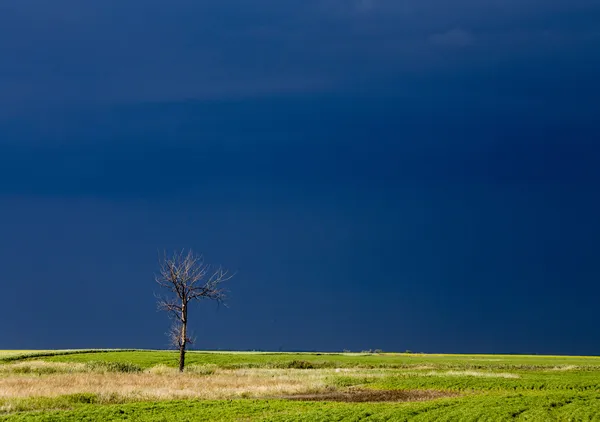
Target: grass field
pixel 235 386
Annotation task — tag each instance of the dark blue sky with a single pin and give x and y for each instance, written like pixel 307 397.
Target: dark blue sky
pixel 381 174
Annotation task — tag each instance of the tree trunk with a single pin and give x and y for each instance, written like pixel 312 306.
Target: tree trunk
pixel 181 357
pixel 183 340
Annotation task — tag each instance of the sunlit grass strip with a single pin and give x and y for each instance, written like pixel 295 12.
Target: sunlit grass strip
pixel 511 363
pixel 5 353
pixel 11 356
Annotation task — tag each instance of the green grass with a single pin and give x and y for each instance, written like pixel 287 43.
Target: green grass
pixel 528 381
pixel 146 359
pixel 491 388
pixel 554 407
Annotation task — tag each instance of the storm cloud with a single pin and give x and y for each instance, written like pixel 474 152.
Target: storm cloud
pixel 421 172
pixel 80 53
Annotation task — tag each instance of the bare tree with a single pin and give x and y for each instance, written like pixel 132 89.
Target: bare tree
pixel 188 279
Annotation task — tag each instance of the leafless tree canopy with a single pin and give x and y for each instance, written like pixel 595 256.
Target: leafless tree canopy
pixel 188 278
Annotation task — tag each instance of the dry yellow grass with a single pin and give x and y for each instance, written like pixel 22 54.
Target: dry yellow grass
pixel 474 374
pixel 39 366
pixel 8 353
pixel 565 368
pixel 159 383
